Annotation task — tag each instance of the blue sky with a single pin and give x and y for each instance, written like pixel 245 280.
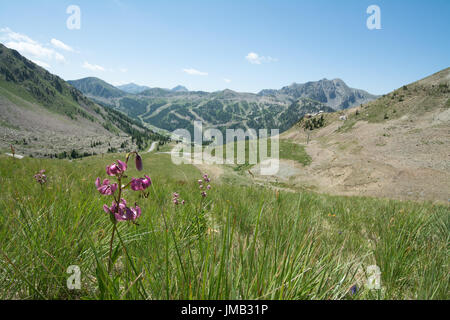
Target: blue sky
pixel 243 45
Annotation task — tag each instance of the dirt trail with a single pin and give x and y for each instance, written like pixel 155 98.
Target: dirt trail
pixel 17 156
pixel 152 147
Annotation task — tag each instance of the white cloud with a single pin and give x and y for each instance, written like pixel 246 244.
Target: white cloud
pixel 8 34
pixel 41 63
pixel 61 45
pixel 227 80
pixel 92 67
pixel 124 70
pixel 255 58
pixel 35 50
pixel 28 47
pixel 194 72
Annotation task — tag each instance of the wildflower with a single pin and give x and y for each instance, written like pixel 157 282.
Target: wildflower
pixel 123 213
pixel 40 177
pixel 130 214
pixel 105 188
pixel 138 162
pixel 140 183
pixel 176 199
pixel 206 180
pixel 353 289
pixel 119 211
pixel 116 168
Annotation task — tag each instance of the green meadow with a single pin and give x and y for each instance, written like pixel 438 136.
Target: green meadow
pixel 240 242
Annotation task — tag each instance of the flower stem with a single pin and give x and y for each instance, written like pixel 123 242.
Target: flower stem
pixel 131 263
pixel 114 224
pixel 110 249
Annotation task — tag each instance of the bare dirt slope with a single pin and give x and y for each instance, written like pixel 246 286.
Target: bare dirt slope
pixel 34 130
pixel 395 147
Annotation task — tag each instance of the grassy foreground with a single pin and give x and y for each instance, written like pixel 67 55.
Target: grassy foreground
pixel 239 243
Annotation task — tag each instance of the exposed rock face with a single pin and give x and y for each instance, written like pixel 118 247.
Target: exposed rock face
pixel 333 93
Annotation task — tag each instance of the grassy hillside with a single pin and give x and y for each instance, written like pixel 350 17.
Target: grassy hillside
pixel 34 84
pixel 412 100
pixel 237 243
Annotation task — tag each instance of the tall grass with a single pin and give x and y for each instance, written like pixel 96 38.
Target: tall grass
pixel 238 243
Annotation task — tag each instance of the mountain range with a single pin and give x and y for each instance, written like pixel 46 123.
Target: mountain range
pixel 136 89
pixel 179 108
pixel 333 93
pixel 132 88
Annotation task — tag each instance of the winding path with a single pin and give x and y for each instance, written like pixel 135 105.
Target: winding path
pixel 153 146
pixel 17 156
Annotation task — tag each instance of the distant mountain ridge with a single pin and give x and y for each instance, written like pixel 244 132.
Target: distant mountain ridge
pixel 133 88
pixel 96 87
pixel 333 93
pixel 180 89
pixel 228 109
